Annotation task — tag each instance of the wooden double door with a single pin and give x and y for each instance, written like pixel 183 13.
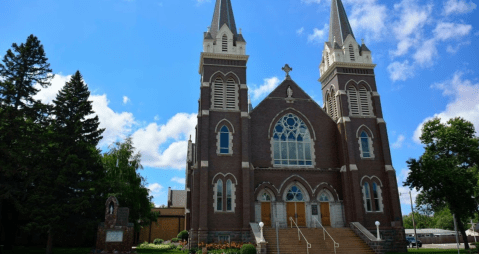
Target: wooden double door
pixel 325 215
pixel 266 213
pixel 297 211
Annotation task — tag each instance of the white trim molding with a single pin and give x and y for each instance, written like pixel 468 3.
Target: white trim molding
pixel 344 119
pixel 375 94
pixel 353 167
pixel 380 120
pixel 340 92
pixel 204 164
pixel 245 164
pixel 389 168
pixel 244 114
pixel 343 169
pixel 243 86
pixel 205 84
pixel 205 112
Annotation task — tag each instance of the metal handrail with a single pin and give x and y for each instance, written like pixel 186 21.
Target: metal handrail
pixel 365 232
pixel 308 245
pixel 336 245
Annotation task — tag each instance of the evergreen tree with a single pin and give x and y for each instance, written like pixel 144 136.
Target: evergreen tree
pixel 124 182
pixel 68 192
pixel 23 122
pixel 446 174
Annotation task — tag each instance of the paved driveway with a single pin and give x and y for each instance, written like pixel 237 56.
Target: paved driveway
pixel 445 246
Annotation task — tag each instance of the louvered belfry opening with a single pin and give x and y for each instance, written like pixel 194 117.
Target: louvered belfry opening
pixel 351 52
pixel 364 97
pixel 225 95
pixel 335 107
pixel 359 102
pixel 224 45
pixel 353 101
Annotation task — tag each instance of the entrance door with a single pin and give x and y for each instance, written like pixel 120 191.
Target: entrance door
pixel 325 217
pixel 266 213
pixel 297 211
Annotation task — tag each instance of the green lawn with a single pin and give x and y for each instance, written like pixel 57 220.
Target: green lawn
pixel 160 251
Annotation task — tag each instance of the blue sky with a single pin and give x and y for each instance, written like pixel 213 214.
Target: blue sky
pixel 140 59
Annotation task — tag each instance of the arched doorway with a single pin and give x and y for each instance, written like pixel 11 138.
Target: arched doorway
pixel 324 198
pixel 265 200
pixel 295 205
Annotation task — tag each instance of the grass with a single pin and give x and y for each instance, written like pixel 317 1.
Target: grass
pixel 159 251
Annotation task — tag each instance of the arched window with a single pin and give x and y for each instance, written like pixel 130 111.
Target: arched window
pixel 367 197
pixel 334 108
pixel 323 197
pixel 377 207
pixel 291 142
pixel 294 194
pixel 353 101
pixel 224 140
pixel 219 195
pixel 225 95
pixel 351 52
pixel 229 197
pixel 218 94
pixel 224 43
pixel 365 99
pixel 365 146
pixel 265 197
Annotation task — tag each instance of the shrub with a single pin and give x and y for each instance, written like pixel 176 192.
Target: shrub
pixel 248 249
pixel 158 241
pixel 183 235
pixel 174 240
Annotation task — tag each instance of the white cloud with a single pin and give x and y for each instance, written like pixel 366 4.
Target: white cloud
pixel 300 31
pixel 318 35
pixel 446 30
pixel 464 102
pixel 453 49
pixel 426 53
pixel 126 99
pixel 311 1
pixel 399 142
pixel 47 95
pixel 165 146
pixel 369 17
pixel 400 71
pixel 155 187
pixel 267 87
pixel 178 180
pixel 157 118
pixel 198 2
pixel 117 125
pixel 458 7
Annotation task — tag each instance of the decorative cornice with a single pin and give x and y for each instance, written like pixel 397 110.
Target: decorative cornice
pixel 221 56
pixel 348 65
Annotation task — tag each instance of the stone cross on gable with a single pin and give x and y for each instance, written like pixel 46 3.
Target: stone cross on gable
pixel 287 69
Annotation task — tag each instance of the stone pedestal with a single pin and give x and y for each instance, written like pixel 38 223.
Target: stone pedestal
pixel 115 235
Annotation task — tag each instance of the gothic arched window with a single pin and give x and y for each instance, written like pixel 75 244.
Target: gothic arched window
pixel 365 145
pixel 219 195
pixel 377 207
pixel 323 197
pixel 294 194
pixel 224 140
pixel 367 197
pixel 229 197
pixel 265 197
pixel 291 142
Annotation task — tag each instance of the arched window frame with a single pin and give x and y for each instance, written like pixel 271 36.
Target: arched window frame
pixel 295 194
pixel 282 159
pixel 372 186
pixel 359 100
pixel 224 94
pixel 224 133
pixel 325 193
pixel 224 192
pixel 365 140
pixel 219 195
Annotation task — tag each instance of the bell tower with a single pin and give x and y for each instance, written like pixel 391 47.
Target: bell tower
pixel 352 101
pixel 219 178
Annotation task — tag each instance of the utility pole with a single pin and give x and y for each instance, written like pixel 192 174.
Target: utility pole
pixel 473 225
pixel 413 222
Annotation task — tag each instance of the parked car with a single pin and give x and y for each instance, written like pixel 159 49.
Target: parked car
pixel 412 242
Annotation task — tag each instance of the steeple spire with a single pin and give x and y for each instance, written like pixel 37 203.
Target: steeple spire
pixel 223 15
pixel 339 26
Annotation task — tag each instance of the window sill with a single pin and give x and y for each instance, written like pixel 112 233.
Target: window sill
pixel 224 212
pixel 368 158
pixel 224 154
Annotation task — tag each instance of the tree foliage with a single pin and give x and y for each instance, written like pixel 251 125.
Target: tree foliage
pixel 446 174
pixel 123 180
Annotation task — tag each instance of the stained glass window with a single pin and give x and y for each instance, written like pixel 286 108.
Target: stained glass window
pixel 228 196
pixel 219 196
pixel 368 197
pixel 291 142
pixel 294 194
pixel 365 145
pixel 224 140
pixel 323 197
pixel 266 197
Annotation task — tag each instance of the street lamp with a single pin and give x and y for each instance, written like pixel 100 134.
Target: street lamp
pixel 377 226
pixel 261 224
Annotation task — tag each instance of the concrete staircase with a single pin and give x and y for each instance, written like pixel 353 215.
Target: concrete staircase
pixel 348 241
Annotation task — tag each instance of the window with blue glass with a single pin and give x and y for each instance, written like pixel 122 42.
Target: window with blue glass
pixel 225 140
pixel 292 142
pixel 365 145
pixel 294 194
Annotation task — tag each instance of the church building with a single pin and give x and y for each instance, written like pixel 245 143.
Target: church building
pixel 288 157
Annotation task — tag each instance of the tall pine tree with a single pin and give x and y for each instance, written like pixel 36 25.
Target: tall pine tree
pixel 23 122
pixel 67 194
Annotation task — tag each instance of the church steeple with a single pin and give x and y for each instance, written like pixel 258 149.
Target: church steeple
pixel 339 27
pixel 222 36
pixel 223 15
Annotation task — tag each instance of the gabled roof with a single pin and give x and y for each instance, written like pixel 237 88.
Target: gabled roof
pixel 339 26
pixel 176 198
pixel 223 15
